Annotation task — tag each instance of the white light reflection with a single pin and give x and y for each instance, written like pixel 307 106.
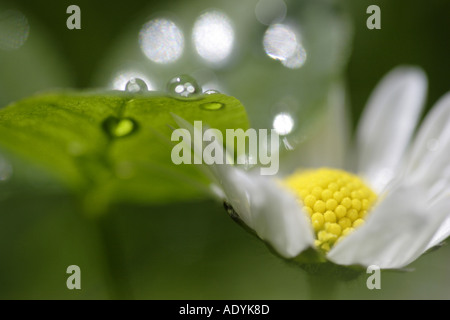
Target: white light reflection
pixel 270 11
pixel 121 79
pixel 281 42
pixel 161 41
pixel 14 30
pixel 283 123
pixel 213 36
pixel 297 60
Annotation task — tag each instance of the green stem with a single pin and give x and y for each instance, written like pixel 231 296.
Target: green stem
pixel 115 270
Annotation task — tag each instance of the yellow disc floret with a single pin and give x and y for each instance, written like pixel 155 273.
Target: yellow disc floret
pixel 335 201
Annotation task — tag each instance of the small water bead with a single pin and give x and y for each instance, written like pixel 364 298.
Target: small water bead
pixel 136 85
pixel 184 87
pixel 212 106
pixel 119 128
pixel 211 91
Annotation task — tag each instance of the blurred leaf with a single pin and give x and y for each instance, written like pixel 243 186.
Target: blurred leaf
pixel 112 147
pixel 40 236
pixel 29 60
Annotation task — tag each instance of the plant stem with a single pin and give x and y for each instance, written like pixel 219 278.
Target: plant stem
pixel 115 270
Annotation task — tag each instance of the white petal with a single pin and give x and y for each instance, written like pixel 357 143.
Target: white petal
pixel 387 124
pixel 396 233
pixel 272 212
pixel 429 161
pixel 442 233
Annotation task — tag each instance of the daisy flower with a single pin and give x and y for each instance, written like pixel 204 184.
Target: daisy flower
pixel 386 209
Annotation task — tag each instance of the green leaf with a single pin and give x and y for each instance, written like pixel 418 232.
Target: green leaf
pixel 113 147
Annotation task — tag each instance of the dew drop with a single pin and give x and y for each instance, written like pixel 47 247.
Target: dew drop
pixel 211 91
pixel 119 128
pixel 136 85
pixel 184 87
pixel 212 106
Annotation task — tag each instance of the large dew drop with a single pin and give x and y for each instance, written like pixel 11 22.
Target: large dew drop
pixel 184 87
pixel 136 85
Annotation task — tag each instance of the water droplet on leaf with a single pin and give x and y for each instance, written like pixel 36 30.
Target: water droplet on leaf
pixel 118 128
pixel 212 106
pixel 184 87
pixel 211 91
pixel 136 85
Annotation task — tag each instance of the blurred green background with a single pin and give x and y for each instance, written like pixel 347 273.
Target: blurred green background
pixel 185 250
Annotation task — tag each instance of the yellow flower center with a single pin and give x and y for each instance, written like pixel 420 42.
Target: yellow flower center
pixel 336 202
